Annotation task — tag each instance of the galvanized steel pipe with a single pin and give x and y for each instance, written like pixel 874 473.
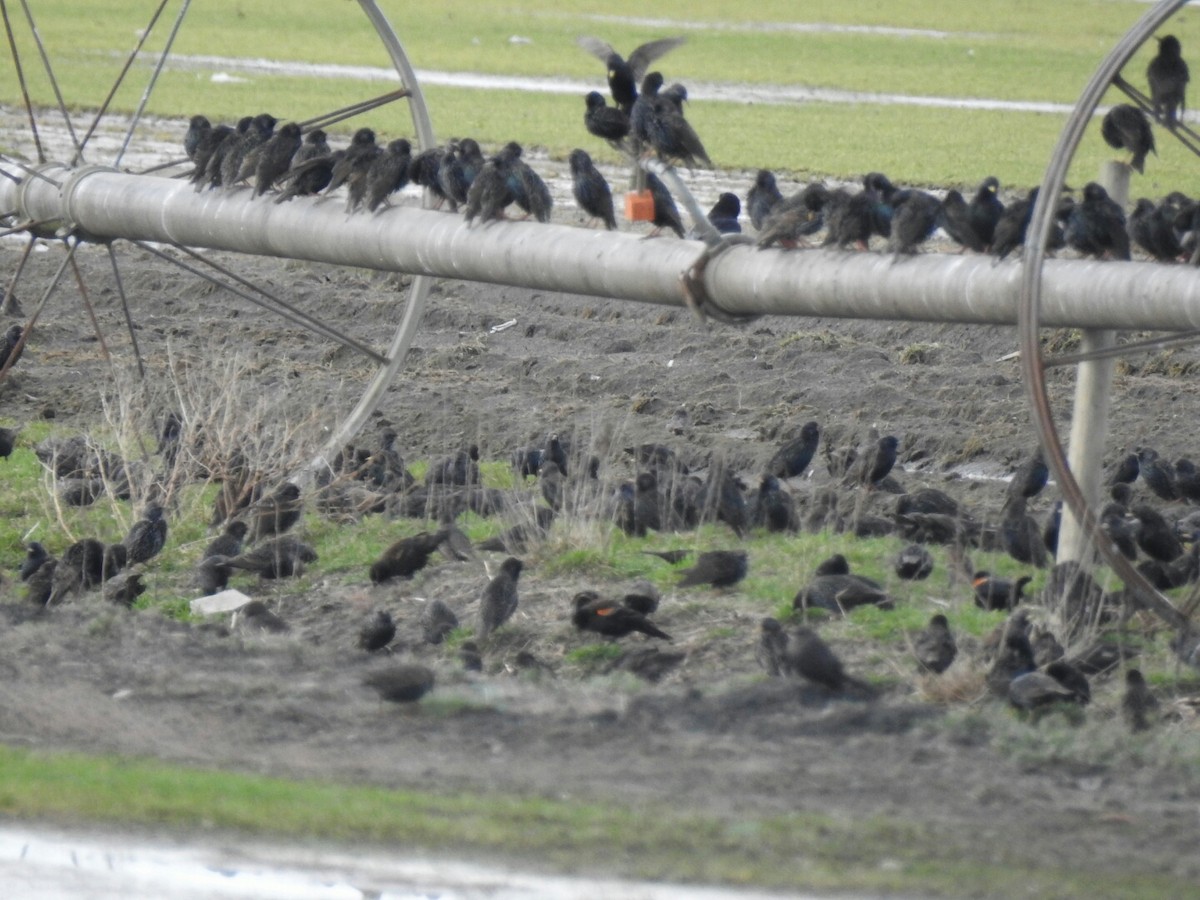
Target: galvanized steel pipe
pixel 106 204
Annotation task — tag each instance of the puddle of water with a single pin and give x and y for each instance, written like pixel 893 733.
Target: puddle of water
pixel 44 863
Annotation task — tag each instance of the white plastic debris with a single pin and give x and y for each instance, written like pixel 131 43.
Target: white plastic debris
pixel 503 326
pixel 226 601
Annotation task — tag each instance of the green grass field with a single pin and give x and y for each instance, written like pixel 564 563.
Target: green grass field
pixel 1015 51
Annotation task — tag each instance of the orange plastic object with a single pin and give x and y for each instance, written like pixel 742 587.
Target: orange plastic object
pixel 639 206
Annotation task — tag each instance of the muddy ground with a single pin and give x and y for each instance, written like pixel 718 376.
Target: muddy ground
pixel 714 735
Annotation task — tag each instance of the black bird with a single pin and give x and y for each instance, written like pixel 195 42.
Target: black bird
pixel 914 563
pixel 1157 475
pixel 353 166
pixel 835 588
pixel 491 192
pixel 234 165
pixel 423 171
pixel 935 647
pixel 764 195
pixel 658 122
pixel 437 621
pixel 206 145
pixel 276 512
pixel 1012 225
pixel 8 441
pixel 198 128
pixel 624 75
pixel 407 556
pixel 1168 77
pixel 671 556
pixel 309 177
pixel 1152 228
pixel 275 158
pixel 470 657
pixel 642 597
pixel 11 347
pixel 807 655
pixel 35 555
pixel 124 589
pixel 39 585
pixel 998 593
pixel 213 573
pixel 499 599
pixel 529 191
pixel 405 683
pixel 86 560
pixel 833 565
pixel 460 468
pixel 794 457
pixel 606 122
pixel 1046 648
pixel 1126 127
pixel 147 536
pixel 615 620
pixel 884 460
pixel 281 557
pixel 914 219
pixel 226 139
pixel 377 633
pixel 954 217
pixel 1096 226
pixel 666 213
pixel 314 146
pixel 1156 538
pixel 1031 692
pixel 1187 480
pixel 591 190
pixel 725 212
pixel 1014 660
pixel 456 170
pixel 1126 471
pixel 388 173
pixel 986 209
pixel 719 568
pixel 229 542
pixel 255 616
pixel 849 218
pixel 773 507
pixel 795 218
pixel 1137 703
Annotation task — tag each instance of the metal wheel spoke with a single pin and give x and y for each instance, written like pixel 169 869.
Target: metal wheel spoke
pixel 11 290
pixel 158 67
pixel 1186 136
pixel 266 300
pixel 29 170
pixel 62 104
pixel 16 57
pixel 348 112
pixel 112 255
pixel 91 311
pixel 46 295
pixel 1181 339
pixel 120 78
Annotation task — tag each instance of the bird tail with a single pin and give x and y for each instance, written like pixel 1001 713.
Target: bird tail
pixel 654 631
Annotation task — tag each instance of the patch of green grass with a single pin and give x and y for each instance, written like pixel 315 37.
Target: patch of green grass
pixel 877 854
pixel 593 655
pixel 1054 49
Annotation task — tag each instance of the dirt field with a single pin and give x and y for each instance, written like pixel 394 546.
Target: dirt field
pixel 713 735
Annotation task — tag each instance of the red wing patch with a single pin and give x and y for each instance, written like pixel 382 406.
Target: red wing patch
pixel 607 611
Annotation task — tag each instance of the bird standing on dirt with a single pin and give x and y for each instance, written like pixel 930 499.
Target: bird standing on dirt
pixel 806 655
pixel 147 536
pixel 615 620
pixel 1126 127
pixel 624 75
pixel 437 621
pixel 378 632
pixel 9 352
pixel 591 190
pixel 718 568
pixel 935 647
pixel 1137 703
pixel 1168 77
pixel 407 556
pixel 499 599
pixel 405 683
pixel 282 557
pixel 794 456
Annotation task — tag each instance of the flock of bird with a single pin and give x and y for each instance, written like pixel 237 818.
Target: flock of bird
pixel 648 118
pixel 1024 661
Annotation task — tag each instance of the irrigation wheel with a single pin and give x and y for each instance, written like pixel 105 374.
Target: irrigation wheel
pixel 1100 350
pixel 383 363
